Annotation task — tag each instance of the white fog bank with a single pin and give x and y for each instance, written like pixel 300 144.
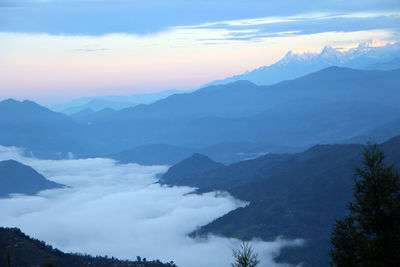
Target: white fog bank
pixel 118 210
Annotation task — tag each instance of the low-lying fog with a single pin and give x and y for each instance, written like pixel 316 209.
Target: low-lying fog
pixel 118 210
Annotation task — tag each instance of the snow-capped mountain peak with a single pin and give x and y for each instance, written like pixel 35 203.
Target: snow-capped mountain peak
pixel 374 43
pixel 297 56
pixel 368 47
pixel 331 55
pixel 329 51
pixel 295 64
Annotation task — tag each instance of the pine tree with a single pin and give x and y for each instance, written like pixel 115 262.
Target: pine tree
pixel 370 235
pixel 245 256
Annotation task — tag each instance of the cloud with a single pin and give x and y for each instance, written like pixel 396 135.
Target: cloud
pixel 118 210
pixel 96 17
pixel 311 23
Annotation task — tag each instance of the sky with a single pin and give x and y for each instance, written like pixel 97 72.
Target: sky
pixel 118 210
pixel 55 50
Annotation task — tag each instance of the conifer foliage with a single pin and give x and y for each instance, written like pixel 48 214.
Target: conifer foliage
pixel 245 256
pixel 370 234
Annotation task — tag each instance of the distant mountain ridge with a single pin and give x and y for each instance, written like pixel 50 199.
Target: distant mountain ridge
pixel 328 106
pixel 116 102
pixel 325 106
pixel 17 178
pixel 387 65
pixel 380 133
pixel 38 129
pixel 367 55
pixel 226 153
pixel 99 104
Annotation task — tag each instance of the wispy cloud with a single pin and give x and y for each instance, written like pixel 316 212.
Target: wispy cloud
pixel 310 23
pixel 96 17
pixel 296 18
pixel 59 48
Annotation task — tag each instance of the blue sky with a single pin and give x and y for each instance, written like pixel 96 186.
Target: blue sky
pixel 73 48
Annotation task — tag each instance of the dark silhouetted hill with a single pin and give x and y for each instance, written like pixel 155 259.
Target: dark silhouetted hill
pixel 26 251
pixel 22 179
pixel 196 164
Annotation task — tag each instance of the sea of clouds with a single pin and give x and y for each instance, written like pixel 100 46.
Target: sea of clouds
pixel 120 210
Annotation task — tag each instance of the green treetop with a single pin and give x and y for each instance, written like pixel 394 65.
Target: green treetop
pixel 370 235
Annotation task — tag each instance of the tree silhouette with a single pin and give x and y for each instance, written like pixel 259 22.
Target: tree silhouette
pixel 370 235
pixel 245 256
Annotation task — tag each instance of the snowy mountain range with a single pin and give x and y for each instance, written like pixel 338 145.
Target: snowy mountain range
pixel 368 55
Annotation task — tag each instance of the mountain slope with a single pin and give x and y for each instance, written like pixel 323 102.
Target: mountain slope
pixel 26 251
pixel 226 178
pixel 335 102
pixel 293 195
pixel 195 164
pixel 380 133
pixel 390 65
pixel 328 106
pixel 83 113
pixel 31 126
pixel 226 153
pixel 22 179
pixel 157 154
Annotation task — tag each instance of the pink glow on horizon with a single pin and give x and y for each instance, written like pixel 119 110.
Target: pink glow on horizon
pixel 51 68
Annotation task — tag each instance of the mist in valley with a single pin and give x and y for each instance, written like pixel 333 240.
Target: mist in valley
pixel 176 130
pixel 120 210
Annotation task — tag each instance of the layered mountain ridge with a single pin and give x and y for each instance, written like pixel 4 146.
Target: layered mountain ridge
pixel 291 195
pixel 329 106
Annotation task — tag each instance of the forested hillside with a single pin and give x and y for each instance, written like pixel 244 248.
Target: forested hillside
pixel 21 251
pixel 292 196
